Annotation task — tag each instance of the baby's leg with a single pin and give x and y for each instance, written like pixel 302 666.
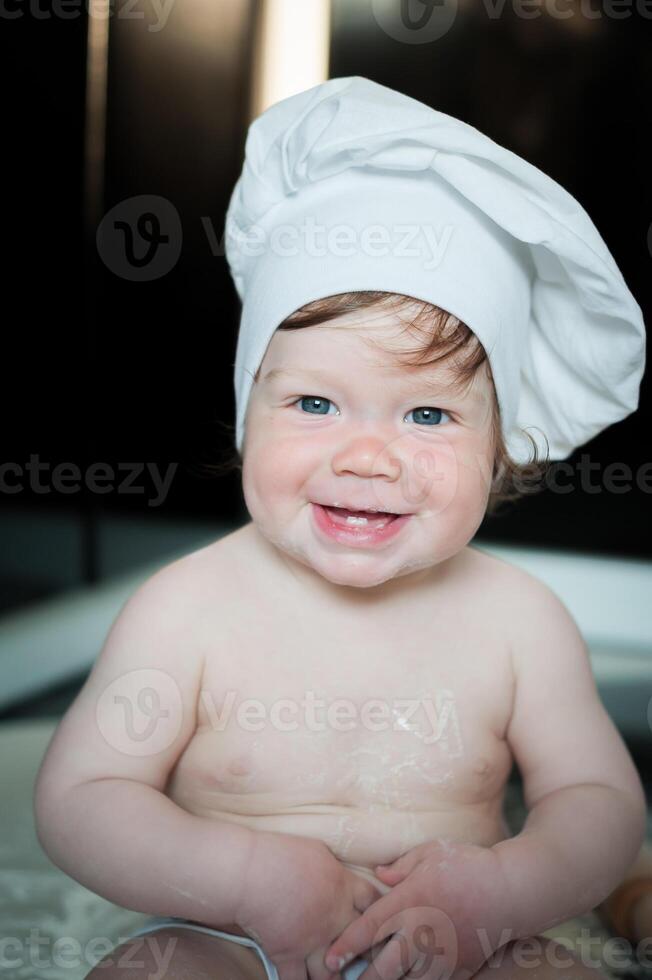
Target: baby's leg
pixel 628 909
pixel 174 953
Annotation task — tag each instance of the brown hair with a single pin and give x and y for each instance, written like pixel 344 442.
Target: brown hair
pixel 446 337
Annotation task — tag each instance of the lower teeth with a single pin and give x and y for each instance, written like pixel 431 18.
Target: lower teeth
pixel 358 521
pixel 363 521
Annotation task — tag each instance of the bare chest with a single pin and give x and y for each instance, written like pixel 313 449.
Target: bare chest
pixel 297 713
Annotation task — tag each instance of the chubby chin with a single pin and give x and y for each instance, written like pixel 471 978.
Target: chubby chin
pixel 358 568
pixel 290 530
pixel 355 570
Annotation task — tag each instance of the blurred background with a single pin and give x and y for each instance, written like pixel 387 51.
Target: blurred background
pixel 124 128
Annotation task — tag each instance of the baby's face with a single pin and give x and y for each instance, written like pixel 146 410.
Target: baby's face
pixel 342 423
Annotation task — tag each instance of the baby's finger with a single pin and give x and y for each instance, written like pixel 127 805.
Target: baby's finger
pixel 377 922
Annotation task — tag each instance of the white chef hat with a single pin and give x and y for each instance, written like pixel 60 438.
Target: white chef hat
pixel 350 186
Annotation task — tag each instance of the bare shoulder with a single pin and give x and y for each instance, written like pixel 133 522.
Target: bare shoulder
pixel 504 576
pixel 205 573
pixel 545 641
pixel 525 602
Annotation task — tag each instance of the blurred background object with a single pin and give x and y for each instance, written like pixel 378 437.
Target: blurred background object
pixel 291 50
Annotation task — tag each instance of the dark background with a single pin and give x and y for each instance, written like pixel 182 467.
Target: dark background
pixel 98 368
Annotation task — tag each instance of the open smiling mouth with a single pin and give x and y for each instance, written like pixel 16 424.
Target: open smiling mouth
pixel 360 518
pixel 358 526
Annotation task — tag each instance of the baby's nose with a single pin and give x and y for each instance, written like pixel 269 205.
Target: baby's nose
pixel 368 455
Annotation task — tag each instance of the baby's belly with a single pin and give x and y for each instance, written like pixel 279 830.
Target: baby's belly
pixel 363 836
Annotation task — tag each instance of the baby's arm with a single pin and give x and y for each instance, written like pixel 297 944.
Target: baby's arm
pixel 587 811
pixel 101 814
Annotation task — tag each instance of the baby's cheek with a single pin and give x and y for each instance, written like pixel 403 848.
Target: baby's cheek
pixel 473 469
pixel 430 477
pixel 275 466
pixel 458 500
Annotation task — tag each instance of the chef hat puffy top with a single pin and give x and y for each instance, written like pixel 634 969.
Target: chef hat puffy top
pixel 351 186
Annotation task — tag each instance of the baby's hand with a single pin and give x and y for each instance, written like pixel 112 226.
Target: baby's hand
pixel 446 907
pixel 296 897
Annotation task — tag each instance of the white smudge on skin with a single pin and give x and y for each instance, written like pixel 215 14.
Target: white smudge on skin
pixel 312 778
pixel 409 833
pixel 345 835
pixel 447 717
pixel 185 894
pixel 449 850
pixel 379 784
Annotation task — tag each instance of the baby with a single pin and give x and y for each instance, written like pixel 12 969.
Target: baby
pixel 294 744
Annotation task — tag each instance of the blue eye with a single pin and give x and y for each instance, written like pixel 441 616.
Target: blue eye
pixel 320 403
pixel 432 416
